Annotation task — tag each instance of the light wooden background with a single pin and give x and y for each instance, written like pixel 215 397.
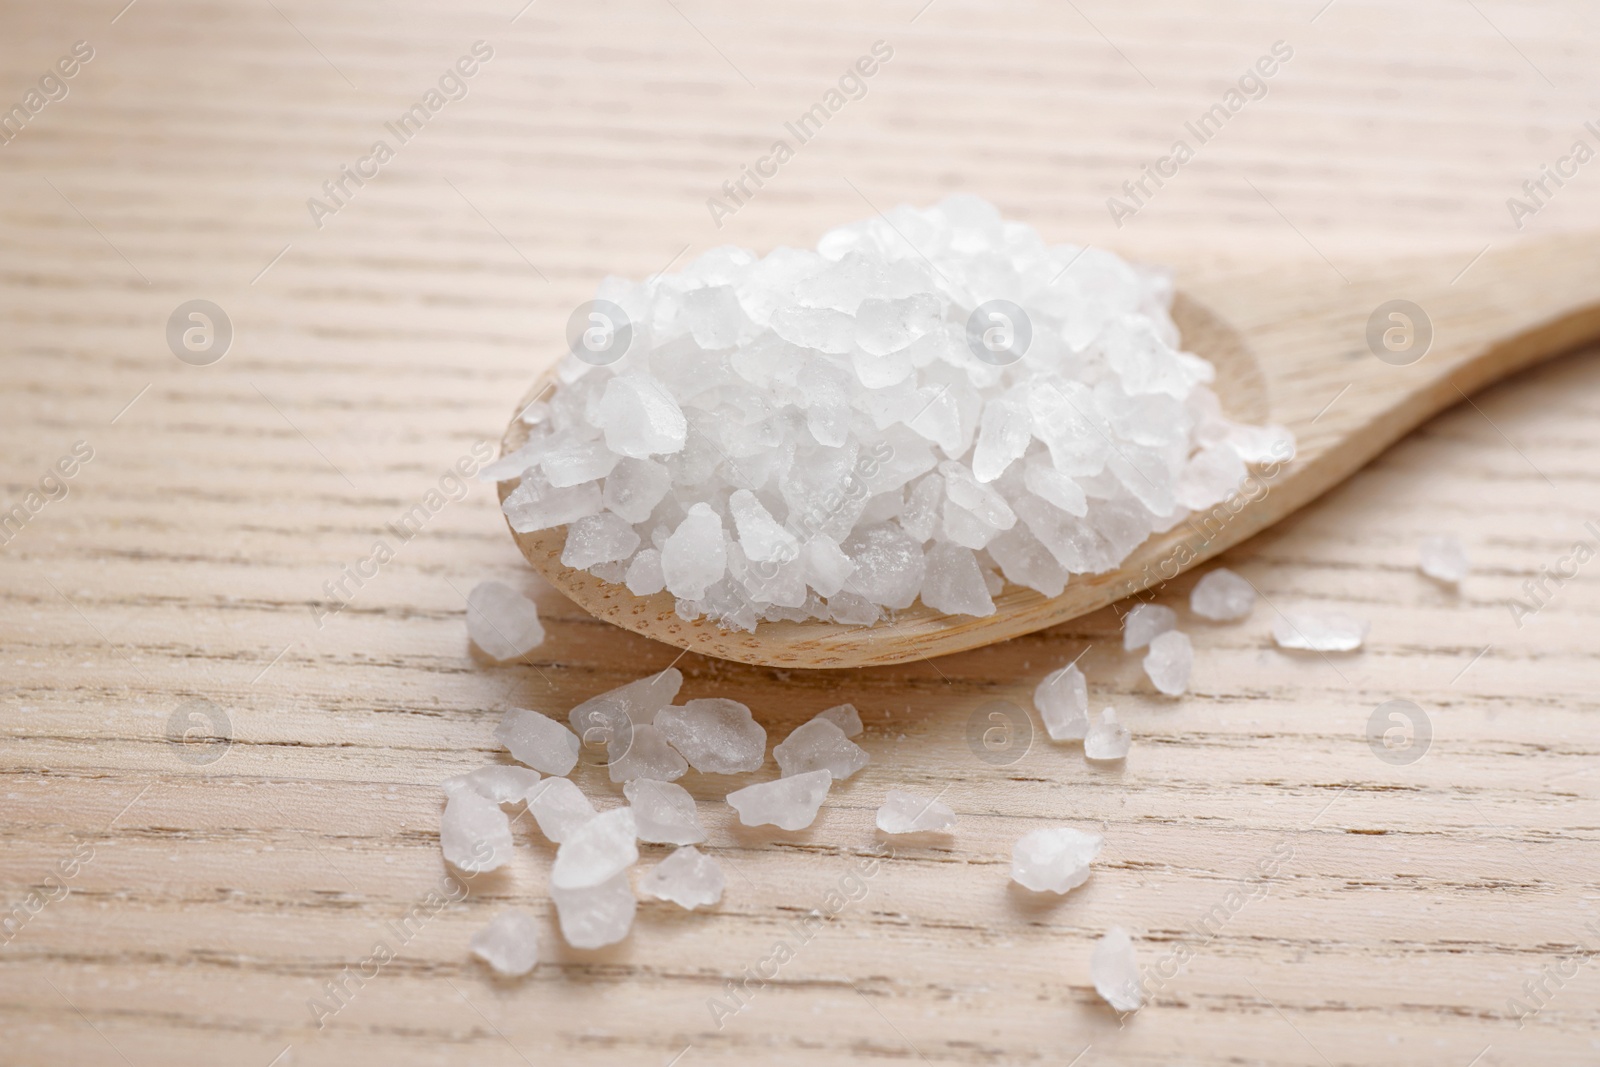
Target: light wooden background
pixel 183 563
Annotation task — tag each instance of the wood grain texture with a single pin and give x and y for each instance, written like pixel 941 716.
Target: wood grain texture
pixel 186 559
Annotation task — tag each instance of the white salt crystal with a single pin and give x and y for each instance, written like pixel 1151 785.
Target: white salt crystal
pixel 664 813
pixel 1026 561
pixel 597 851
pixel 640 417
pixel 716 736
pixel 1169 661
pixel 696 555
pixel 639 751
pixel 1054 859
pixel 845 717
pixel 1115 971
pixel 1442 558
pixel 889 566
pixel 501 783
pixel 1063 702
pixel 688 878
pixel 601 717
pixel 537 505
pixel 1107 740
pixel 643 576
pixel 788 803
pixel 538 740
pixel 576 462
pixel 1144 623
pixel 907 813
pixel 474 833
pixel 509 943
pixel 953 583
pixel 502 622
pixel 819 745
pixel 760 536
pixel 1222 595
pixel 595 916
pixel 599 538
pixel 1307 631
pixel 634 488
pixel 559 807
pixel 825 566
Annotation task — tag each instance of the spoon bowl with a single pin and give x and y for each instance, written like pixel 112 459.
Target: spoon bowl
pixel 1349 365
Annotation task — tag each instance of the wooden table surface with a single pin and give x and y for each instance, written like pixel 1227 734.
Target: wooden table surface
pixel 1305 901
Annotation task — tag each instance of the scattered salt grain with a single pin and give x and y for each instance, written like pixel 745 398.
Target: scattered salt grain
pixel 1169 661
pixel 1443 559
pixel 538 740
pixel 845 717
pixel 819 745
pixel 1107 739
pixel 602 717
pixel 788 803
pixel 502 622
pixel 664 813
pixel 474 833
pixel 907 813
pixel 1115 971
pixel 1222 596
pixel 559 807
pixel 807 375
pixel 597 851
pixel 1146 622
pixel 1054 859
pixel 595 916
pixel 641 752
pixel 1063 702
pixel 501 783
pixel 716 736
pixel 509 943
pixel 1308 632
pixel 688 878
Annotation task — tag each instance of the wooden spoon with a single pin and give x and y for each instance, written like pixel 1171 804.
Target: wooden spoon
pixel 1291 346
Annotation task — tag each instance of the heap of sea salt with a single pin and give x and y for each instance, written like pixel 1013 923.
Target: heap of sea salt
pixel 1054 859
pixel 788 803
pixel 1306 631
pixel 1115 971
pixel 907 813
pixel 1443 559
pixel 688 878
pixel 932 403
pixel 502 622
pixel 509 943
